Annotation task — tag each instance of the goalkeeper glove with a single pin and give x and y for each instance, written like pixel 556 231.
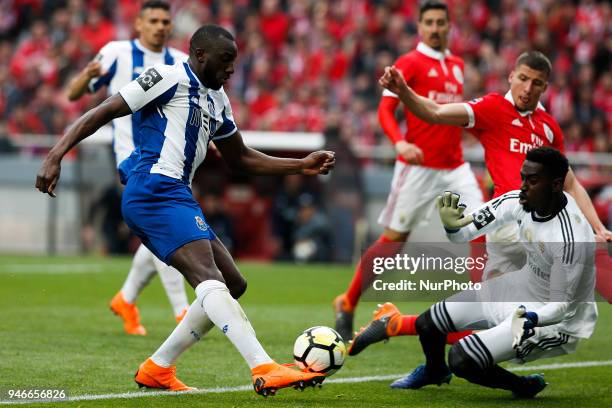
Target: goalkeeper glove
pixel 523 323
pixel 451 212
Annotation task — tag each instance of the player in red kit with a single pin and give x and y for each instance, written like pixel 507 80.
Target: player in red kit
pixel 429 157
pixel 508 126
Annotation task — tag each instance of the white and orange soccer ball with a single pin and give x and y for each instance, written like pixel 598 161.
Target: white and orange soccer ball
pixel 319 349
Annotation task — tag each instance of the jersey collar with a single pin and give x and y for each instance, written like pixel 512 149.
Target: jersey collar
pixel 536 218
pixel 508 97
pixel 431 53
pixel 146 50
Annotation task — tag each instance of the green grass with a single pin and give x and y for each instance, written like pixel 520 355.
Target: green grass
pixel 56 332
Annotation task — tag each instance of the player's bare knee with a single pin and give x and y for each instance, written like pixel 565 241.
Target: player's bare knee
pixel 461 364
pixel 238 288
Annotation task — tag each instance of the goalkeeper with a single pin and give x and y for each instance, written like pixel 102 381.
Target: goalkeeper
pixel 539 311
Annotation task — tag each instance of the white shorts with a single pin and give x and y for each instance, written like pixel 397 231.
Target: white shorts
pixel 493 344
pixel 414 189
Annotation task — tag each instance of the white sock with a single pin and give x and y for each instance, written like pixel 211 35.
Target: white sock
pixel 140 275
pixel 227 314
pixel 194 326
pixel 172 280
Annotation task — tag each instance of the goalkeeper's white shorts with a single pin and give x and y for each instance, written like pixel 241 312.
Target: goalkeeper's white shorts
pixel 414 189
pixel 493 344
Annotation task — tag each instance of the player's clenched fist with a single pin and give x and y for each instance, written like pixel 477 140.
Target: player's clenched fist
pixel 320 162
pixel 451 212
pixel 393 80
pixel 48 176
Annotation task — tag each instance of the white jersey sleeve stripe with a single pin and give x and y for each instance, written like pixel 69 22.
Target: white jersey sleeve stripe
pixel 471 117
pixel 387 92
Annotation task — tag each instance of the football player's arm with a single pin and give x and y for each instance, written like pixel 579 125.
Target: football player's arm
pixel 78 86
pixel 243 158
pixel 576 190
pixel 488 217
pixel 425 109
pixel 386 116
pixel 86 125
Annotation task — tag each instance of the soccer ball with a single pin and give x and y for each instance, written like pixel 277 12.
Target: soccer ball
pixel 319 350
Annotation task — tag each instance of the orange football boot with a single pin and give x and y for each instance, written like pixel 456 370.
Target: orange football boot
pixel 150 375
pixel 386 323
pixel 270 377
pixel 181 316
pixel 129 314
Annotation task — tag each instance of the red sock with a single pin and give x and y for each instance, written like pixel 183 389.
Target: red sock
pixel 407 328
pixel 452 338
pixel 603 270
pixel 477 250
pixel 383 247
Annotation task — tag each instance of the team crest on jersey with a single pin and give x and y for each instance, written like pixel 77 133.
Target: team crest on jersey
pixel 483 218
pixel 148 79
pixel 200 223
pixel 458 74
pixel 475 101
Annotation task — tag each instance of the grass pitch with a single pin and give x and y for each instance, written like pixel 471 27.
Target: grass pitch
pixel 56 332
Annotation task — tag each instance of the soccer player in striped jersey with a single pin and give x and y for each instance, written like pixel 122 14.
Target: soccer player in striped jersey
pixel 182 109
pixel 539 311
pixel 118 63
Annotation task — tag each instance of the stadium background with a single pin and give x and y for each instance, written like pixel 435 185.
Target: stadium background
pixel 303 66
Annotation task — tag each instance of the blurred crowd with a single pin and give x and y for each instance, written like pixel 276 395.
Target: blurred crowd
pixel 301 60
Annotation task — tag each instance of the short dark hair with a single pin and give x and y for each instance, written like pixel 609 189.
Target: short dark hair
pixel 432 5
pixel 205 36
pixel 535 60
pixel 155 4
pixel 554 162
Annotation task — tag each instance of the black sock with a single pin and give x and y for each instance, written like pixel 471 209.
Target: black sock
pixel 433 342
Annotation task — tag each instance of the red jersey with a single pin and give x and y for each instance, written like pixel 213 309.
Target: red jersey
pixel 439 77
pixel 507 135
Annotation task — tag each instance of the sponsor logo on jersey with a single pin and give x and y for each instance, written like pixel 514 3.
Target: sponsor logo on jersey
pixel 432 73
pixel 200 223
pixel 458 74
pixel 517 122
pixel 225 328
pixel 475 101
pixel 148 79
pixel 516 146
pixel 483 218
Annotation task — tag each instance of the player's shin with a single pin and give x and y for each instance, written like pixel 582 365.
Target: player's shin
pixel 141 273
pixel 433 342
pixel 172 280
pixel 493 376
pixel 227 314
pixel 190 330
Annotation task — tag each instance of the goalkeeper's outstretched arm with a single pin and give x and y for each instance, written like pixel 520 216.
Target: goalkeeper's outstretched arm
pixel 462 227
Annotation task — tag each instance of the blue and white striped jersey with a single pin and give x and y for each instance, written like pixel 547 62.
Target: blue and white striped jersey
pixel 178 118
pixel 122 62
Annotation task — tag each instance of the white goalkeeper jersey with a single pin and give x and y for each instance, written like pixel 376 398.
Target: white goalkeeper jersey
pixel 122 62
pixel 560 269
